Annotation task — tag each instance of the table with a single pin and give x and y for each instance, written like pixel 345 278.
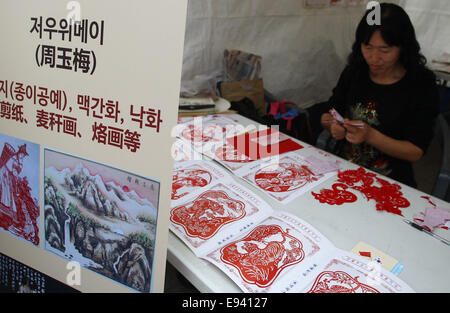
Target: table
pixel 425 259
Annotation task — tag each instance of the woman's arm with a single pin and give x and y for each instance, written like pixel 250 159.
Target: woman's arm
pixel 400 149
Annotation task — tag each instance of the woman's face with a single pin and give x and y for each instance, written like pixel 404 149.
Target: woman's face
pixel 380 57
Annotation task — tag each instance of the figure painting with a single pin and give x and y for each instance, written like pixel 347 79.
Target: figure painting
pixel 19 188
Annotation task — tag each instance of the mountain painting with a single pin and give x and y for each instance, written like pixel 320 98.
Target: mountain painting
pixel 102 217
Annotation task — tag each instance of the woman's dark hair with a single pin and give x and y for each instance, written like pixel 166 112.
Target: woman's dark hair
pixel 396 30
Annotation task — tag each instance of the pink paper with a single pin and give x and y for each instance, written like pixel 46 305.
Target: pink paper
pixel 318 166
pixel 434 217
pixel 339 119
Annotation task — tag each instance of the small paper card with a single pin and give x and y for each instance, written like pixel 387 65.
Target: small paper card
pixel 386 261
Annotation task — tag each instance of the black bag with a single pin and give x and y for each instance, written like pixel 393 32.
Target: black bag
pixel 246 107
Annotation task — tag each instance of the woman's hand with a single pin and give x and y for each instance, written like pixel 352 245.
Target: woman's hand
pixel 328 123
pixel 399 149
pixel 337 131
pixel 326 120
pixel 357 135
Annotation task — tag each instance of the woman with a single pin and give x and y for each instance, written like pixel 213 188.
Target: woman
pixel 387 88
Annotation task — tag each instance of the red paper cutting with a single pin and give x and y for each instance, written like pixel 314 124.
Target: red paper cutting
pixel 388 197
pixel 339 282
pixel 366 254
pixel 284 177
pixel 204 216
pixel 19 211
pixel 183 180
pixel 338 195
pixel 263 254
pixel 228 153
pixel 351 177
pixel 429 200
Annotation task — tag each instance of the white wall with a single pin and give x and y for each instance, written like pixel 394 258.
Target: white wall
pixel 303 50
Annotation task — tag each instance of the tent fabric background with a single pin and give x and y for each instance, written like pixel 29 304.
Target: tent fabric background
pixel 303 50
pixel 432 22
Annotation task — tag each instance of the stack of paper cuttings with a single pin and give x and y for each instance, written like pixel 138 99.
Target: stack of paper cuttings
pixel 204 130
pixel 263 250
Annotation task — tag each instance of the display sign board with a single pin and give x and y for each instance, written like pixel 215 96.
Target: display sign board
pixel 89 95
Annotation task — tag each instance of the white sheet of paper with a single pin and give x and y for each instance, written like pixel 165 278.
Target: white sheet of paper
pixel 216 216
